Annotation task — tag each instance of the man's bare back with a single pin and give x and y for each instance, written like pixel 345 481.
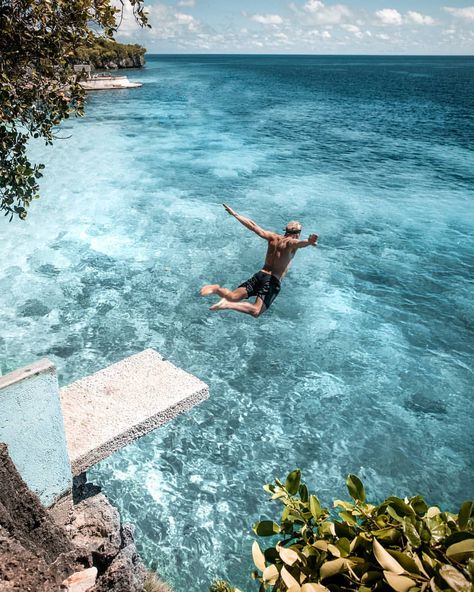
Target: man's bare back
pixel 280 253
pixel 265 284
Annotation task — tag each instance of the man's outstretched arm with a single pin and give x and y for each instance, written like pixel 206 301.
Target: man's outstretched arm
pixel 248 223
pixel 311 241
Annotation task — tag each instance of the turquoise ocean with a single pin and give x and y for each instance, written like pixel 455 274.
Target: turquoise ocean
pixel 363 364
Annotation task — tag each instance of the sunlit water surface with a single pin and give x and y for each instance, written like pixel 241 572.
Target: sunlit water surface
pixel 364 362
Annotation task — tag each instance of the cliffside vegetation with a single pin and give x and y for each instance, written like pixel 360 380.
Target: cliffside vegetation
pixel 105 53
pixel 400 545
pixel 37 86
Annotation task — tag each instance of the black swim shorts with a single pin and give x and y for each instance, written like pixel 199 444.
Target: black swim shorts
pixel 264 286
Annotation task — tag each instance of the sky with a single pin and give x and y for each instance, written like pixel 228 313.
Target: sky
pixel 304 26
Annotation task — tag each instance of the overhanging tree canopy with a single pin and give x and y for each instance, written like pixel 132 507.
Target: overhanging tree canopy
pixel 37 85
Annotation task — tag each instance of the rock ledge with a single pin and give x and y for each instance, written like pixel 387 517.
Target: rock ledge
pixel 41 549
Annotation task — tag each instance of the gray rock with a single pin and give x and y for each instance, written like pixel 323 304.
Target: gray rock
pixel 81 581
pixel 95 525
pixel 41 549
pixel 126 573
pixel 35 553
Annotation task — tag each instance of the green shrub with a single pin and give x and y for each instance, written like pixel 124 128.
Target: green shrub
pixel 400 544
pixel 105 50
pixel 221 586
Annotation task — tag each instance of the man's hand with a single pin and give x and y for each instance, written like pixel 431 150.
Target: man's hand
pixel 250 224
pixel 313 239
pixel 229 210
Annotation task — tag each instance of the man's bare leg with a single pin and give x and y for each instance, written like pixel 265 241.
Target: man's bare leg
pixel 233 295
pixel 255 310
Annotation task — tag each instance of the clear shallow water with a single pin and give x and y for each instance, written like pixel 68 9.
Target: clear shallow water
pixel 364 362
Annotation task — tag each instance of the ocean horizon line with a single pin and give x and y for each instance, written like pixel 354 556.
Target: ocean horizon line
pixel 332 55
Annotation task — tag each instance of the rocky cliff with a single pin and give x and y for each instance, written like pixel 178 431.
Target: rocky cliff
pixel 77 545
pixel 105 54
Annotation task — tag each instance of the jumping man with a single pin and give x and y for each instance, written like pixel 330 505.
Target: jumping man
pixel 265 284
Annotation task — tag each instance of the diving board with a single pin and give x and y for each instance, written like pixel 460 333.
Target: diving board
pixel 107 410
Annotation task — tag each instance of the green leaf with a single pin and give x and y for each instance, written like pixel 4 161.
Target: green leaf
pixel 464 514
pixel 293 482
pixel 289 580
pixel 331 568
pixel 456 537
pixel 438 528
pixel 371 577
pixel 344 546
pixel 387 534
pixel 266 528
pixel 348 518
pixel 402 508
pixel 355 488
pixel 315 506
pixel 303 490
pixel 461 550
pixel 385 559
pixel 393 514
pixel 411 533
pixel 343 504
pixel 258 557
pixel 288 556
pixel 327 529
pixel 399 583
pixel 270 574
pixel 454 579
pixel 343 530
pixel 271 555
pixel 419 505
pixel 405 561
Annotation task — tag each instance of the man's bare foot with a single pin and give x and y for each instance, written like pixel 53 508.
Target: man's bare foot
pixel 209 289
pixel 221 305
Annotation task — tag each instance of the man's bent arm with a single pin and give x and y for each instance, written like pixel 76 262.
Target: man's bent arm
pixel 311 241
pixel 248 223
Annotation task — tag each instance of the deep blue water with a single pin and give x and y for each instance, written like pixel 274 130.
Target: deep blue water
pixel 364 363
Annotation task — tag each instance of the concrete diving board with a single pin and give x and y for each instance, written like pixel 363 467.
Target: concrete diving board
pixel 115 406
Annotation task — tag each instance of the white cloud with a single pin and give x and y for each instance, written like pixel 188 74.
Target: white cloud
pixel 169 23
pixel 389 16
pixel 466 13
pixel 267 19
pixel 354 30
pixel 326 14
pixel 312 26
pixel 419 19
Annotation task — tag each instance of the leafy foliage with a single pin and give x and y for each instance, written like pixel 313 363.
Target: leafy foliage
pixel 38 88
pixel 103 51
pixel 400 544
pixel 222 586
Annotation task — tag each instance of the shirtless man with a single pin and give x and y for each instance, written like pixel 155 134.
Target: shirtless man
pixel 265 284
